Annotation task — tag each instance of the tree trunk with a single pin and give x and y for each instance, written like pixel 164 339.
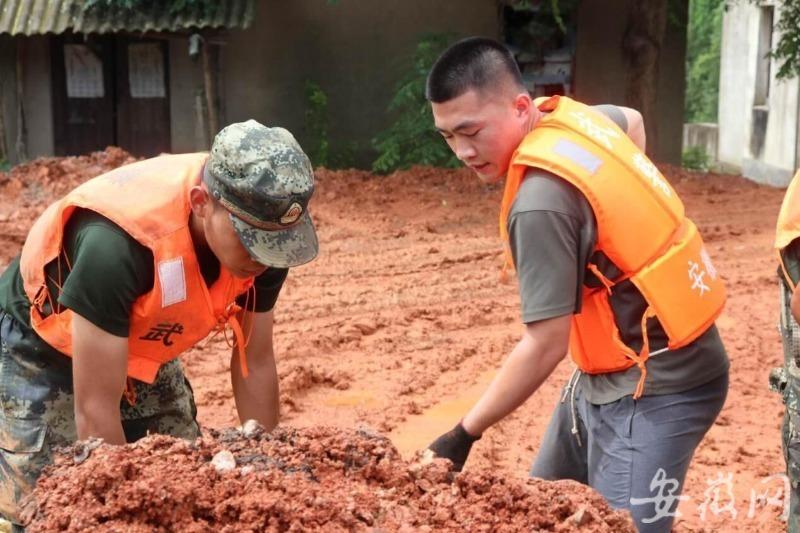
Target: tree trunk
pixel 641 47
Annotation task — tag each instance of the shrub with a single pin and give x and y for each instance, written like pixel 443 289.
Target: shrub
pixel 316 124
pixel 696 158
pixel 412 139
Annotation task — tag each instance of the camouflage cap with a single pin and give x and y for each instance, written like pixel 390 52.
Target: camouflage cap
pixel 263 178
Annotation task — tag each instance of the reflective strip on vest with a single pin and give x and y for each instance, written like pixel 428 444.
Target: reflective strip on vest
pixel 578 155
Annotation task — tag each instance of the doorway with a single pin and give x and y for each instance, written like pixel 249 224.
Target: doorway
pixel 110 90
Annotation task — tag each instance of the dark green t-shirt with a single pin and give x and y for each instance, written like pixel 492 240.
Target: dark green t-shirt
pixel 105 270
pixel 553 234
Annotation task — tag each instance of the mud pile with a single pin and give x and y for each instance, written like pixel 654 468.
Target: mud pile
pixel 309 479
pixel 27 189
pixel 54 176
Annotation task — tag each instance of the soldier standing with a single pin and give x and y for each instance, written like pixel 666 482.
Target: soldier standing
pixel 609 269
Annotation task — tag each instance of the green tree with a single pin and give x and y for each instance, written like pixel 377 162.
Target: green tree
pixel 702 60
pixel 703 53
pixel 787 49
pixel 411 139
pixel 316 124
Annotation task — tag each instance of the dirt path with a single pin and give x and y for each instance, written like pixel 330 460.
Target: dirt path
pixel 401 322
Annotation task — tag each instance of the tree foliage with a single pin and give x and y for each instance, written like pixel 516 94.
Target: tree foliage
pixel 411 139
pixel 316 124
pixel 787 49
pixel 702 60
pixel 703 53
pixel 532 27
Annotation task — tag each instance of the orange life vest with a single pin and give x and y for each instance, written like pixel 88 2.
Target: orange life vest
pixel 150 201
pixel 641 228
pixel 788 222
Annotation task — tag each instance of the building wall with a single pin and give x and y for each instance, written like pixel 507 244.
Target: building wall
pixel 185 86
pixel 8 80
pixel 355 51
pixel 737 83
pixel 601 68
pixel 38 99
pixel 36 88
pixel 702 135
pixel 759 140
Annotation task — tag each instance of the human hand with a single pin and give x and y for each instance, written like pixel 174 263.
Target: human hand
pixel 454 445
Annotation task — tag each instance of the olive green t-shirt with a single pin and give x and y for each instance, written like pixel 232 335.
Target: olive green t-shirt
pixel 105 270
pixel 553 233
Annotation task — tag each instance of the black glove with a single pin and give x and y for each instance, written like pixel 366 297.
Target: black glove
pixel 454 445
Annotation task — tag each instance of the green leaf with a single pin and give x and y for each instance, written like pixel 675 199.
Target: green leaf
pixel 411 138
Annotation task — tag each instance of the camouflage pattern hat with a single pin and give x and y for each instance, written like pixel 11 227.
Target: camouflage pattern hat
pixel 265 181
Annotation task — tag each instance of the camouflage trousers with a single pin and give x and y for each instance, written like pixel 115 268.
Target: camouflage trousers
pixel 36 410
pixel 790 433
pixel 786 380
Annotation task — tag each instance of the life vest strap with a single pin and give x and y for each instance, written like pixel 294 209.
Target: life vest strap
pixel 785 271
pixel 607 283
pixel 240 343
pixel 240 340
pixel 644 354
pixel 130 392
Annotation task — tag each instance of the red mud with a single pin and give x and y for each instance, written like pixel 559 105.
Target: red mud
pixel 401 321
pixel 27 189
pixel 298 480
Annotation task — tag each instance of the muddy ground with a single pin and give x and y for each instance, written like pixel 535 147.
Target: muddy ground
pixel 401 322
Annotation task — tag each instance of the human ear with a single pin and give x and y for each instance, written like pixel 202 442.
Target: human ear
pixel 200 201
pixel 522 105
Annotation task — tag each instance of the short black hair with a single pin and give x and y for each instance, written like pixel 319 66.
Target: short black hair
pixel 472 63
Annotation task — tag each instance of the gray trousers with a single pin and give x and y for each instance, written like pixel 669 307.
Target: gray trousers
pixel 634 453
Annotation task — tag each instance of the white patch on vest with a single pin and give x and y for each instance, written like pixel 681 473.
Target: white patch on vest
pixel 578 155
pixel 172 278
pixel 649 171
pixel 696 275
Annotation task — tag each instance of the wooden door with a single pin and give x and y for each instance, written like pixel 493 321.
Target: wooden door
pixel 143 114
pixel 83 93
